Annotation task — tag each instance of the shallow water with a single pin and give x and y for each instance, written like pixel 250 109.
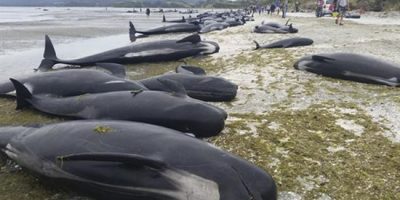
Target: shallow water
pixel 75 32
pixel 23 62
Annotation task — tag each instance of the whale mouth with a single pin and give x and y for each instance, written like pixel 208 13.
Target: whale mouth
pixel 210 48
pixel 245 185
pixel 303 64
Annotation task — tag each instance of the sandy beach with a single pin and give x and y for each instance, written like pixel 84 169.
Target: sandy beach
pixel 320 138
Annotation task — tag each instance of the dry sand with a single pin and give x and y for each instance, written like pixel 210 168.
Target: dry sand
pixel 330 139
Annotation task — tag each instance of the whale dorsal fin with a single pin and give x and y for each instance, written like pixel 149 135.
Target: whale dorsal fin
pixel 195 38
pixel 125 158
pixel 321 58
pixel 174 87
pixel 257 45
pixel 132 32
pixel 23 94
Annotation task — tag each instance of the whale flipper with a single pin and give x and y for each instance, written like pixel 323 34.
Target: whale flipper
pixel 23 94
pixel 175 87
pixel 186 69
pixel 129 159
pixel 115 69
pixel 163 18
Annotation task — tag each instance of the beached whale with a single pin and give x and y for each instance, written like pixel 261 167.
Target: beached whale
pixel 156 51
pixel 214 27
pixel 130 160
pixel 173 110
pixel 173 28
pixel 286 43
pixel 353 67
pixel 273 27
pixel 72 82
pixel 206 88
pixel 352 15
pixel 183 20
pixel 235 21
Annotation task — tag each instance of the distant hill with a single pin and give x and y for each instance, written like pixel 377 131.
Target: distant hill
pixel 371 5
pixel 144 3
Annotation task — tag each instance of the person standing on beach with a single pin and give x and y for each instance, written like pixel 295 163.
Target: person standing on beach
pixel 342 6
pixel 268 8
pixel 284 9
pixel 147 11
pixel 272 8
pixel 320 4
pixel 278 6
pixel 297 6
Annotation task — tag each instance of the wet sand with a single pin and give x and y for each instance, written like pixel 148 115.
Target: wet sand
pixel 320 138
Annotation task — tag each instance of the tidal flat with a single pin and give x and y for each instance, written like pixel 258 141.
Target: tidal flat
pixel 320 138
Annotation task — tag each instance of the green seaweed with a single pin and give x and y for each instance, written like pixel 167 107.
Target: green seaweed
pixel 102 129
pixel 366 168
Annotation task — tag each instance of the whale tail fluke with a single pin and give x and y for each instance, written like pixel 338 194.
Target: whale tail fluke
pixel 292 30
pixel 132 32
pixel 257 45
pixel 23 94
pixel 50 57
pixel 287 22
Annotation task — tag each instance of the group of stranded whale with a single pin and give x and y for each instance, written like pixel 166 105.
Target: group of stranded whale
pixel 138 139
pixel 202 23
pixel 153 150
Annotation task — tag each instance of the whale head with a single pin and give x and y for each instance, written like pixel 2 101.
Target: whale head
pixel 211 88
pixel 209 47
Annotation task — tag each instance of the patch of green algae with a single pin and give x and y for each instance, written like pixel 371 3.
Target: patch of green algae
pixel 102 130
pixel 11 116
pixel 21 185
pixel 16 183
pixel 298 148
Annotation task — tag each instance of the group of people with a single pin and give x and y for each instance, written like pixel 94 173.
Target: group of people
pixel 340 6
pixel 276 6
